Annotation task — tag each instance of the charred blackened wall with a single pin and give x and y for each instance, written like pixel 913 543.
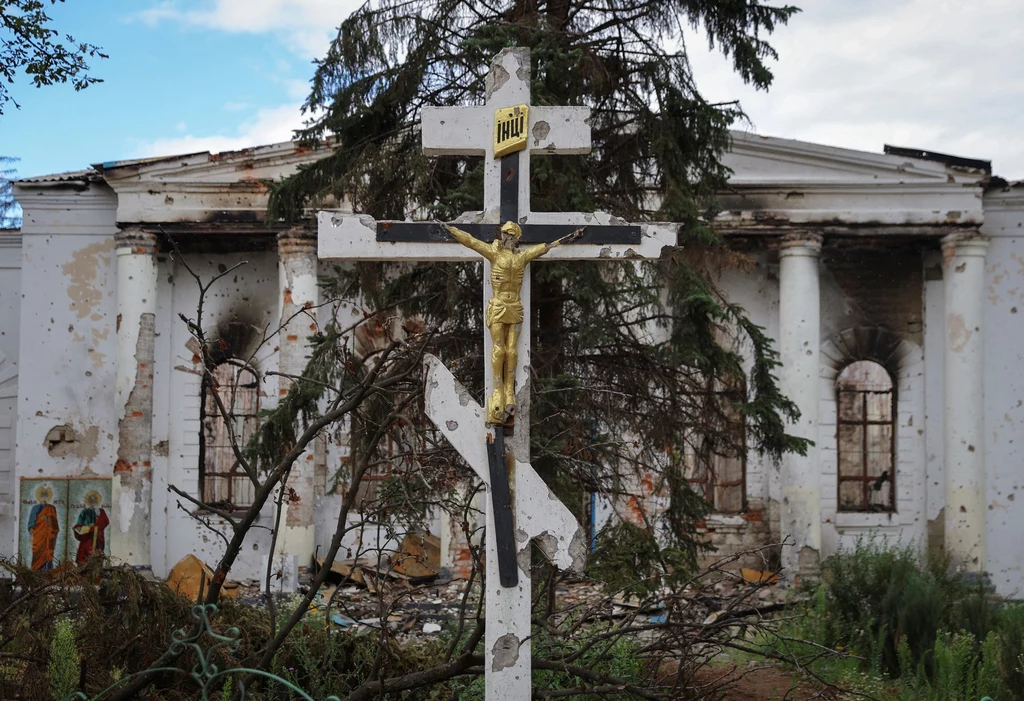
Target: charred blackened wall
pixel 871 283
pixel 240 311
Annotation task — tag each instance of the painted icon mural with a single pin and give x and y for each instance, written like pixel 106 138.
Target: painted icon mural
pixel 63 520
pixel 88 505
pixel 44 510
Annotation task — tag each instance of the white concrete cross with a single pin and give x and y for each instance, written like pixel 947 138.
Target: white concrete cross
pixel 539 517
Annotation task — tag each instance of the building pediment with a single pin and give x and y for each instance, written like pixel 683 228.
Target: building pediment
pixel 776 184
pixel 229 187
pixel 783 183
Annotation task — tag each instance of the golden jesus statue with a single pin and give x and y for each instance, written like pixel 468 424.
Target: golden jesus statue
pixel 504 315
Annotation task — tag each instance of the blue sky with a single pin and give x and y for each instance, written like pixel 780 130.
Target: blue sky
pixel 194 75
pixel 184 76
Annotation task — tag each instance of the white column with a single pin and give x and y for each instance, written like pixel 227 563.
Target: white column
pixel 964 278
pixel 133 388
pixel 799 342
pixel 297 271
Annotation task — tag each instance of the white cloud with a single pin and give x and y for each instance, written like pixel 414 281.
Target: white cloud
pixel 271 125
pixel 942 75
pixel 305 26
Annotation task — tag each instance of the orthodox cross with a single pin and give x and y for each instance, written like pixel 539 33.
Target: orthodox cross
pixel 506 130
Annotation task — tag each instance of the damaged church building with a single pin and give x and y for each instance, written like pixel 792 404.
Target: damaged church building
pixel 891 284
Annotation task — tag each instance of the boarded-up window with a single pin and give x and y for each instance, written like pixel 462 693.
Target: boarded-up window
pixel 866 439
pixel 222 481
pixel 716 456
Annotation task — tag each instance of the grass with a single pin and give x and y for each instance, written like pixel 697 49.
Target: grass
pixel 904 627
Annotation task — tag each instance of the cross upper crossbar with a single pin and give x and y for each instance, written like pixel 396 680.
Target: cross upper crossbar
pixel 470 131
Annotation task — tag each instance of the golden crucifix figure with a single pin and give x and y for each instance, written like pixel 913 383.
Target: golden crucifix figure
pixel 504 316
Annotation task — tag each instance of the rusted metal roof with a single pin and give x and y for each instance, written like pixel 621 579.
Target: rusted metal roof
pixel 88 174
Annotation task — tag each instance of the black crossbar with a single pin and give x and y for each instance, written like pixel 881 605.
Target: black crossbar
pixel 532 233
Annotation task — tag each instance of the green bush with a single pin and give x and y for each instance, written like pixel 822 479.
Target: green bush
pixel 1010 651
pixel 63 668
pixel 963 670
pixel 879 597
pixel 944 635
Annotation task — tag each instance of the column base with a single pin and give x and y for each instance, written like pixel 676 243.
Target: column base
pixel 284 578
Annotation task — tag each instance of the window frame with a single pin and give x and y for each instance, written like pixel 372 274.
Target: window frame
pixel 705 478
pixel 865 478
pixel 206 478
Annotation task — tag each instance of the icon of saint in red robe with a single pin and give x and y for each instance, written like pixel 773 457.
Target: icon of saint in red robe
pixel 43 526
pixel 91 528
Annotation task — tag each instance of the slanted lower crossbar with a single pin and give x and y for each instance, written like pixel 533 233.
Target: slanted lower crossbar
pixel 500 464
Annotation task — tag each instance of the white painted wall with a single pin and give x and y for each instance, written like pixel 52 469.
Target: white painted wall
pixel 67 326
pixel 756 289
pixel 935 419
pixel 907 525
pixel 1004 389
pixel 10 305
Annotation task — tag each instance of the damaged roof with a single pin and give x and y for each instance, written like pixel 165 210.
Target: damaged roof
pixel 87 174
pixel 974 164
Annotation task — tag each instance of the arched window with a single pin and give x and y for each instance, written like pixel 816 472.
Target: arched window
pixel 222 481
pixel 866 441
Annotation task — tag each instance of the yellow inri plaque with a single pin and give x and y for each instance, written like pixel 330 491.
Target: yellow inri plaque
pixel 510 125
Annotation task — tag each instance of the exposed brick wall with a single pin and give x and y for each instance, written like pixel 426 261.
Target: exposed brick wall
pixel 735 534
pixel 136 428
pixel 298 256
pixel 884 287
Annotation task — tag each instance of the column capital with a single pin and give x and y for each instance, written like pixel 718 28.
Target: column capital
pixel 297 241
pixel 965 242
pixel 135 240
pixel 800 243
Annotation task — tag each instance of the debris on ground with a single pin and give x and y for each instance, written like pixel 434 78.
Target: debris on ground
pixel 404 593
pixel 418 558
pixel 191 577
pixel 759 576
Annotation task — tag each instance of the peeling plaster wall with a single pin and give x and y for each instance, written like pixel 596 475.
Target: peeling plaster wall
pixel 892 297
pixel 249 292
pixel 10 305
pixel 756 289
pixel 1004 389
pixel 67 327
pixel 877 289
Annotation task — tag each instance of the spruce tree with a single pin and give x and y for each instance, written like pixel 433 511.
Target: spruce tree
pixel 634 365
